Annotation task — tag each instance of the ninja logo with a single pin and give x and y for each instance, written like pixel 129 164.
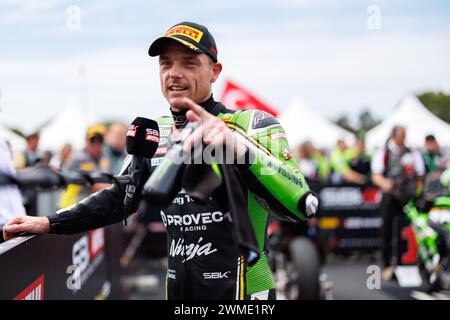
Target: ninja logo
pixel 190 251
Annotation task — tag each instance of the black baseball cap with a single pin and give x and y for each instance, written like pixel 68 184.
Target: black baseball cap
pixel 194 36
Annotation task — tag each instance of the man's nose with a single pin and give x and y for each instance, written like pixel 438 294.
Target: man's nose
pixel 175 72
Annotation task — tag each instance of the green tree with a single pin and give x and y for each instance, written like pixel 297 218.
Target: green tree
pixel 366 121
pixel 16 131
pixel 438 103
pixel 344 122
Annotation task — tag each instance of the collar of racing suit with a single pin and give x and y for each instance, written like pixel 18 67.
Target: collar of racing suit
pixel 213 107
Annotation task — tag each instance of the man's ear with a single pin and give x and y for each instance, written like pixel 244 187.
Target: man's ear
pixel 216 69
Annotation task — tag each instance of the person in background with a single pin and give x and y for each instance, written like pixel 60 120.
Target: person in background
pixel 88 160
pixel 10 197
pixel 31 156
pixel 114 149
pixel 432 156
pixel 358 158
pixel 312 163
pixel 342 172
pixel 58 161
pixel 398 171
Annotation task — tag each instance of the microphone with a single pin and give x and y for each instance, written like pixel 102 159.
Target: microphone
pixel 142 140
pixel 142 137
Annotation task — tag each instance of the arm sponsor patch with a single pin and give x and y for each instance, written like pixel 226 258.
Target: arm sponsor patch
pixel 261 119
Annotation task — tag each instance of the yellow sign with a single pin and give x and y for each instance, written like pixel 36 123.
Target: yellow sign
pixel 329 223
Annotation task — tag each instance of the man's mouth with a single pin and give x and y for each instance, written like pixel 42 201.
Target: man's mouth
pixel 177 88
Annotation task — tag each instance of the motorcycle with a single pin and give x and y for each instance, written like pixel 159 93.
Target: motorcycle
pixel 430 218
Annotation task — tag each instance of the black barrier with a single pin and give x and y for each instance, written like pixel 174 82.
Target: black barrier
pixel 81 266
pixel 349 219
pixel 349 216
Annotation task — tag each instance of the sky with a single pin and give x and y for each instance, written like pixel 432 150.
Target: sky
pixel 337 56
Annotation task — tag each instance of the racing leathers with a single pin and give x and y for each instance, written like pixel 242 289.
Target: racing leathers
pixel 204 260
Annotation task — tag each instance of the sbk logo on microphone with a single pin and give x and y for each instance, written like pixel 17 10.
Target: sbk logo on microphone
pixel 152 135
pixel 132 130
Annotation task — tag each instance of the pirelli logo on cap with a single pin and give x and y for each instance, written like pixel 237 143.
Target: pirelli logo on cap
pixel 186 31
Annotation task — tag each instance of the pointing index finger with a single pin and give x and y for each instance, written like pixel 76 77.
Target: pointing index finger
pixel 198 110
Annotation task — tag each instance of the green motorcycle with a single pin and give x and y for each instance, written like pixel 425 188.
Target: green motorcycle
pixel 430 219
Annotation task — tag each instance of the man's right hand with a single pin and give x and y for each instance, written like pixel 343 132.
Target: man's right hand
pixel 25 224
pixel 387 185
pixel 383 183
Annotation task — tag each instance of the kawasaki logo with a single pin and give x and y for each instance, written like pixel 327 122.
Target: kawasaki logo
pixel 259 117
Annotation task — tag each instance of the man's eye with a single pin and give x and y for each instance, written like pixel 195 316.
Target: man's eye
pixel 164 63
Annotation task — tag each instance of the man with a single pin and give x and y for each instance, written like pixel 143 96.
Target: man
pixel 312 163
pixel 114 149
pixel 358 158
pixel 58 161
pixel 397 171
pixel 342 172
pixel 31 155
pixel 434 160
pixel 204 261
pixel 87 160
pixel 10 197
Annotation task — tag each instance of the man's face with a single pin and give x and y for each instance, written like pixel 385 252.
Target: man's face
pixel 359 144
pixel 342 145
pixel 400 137
pixel 116 136
pixel 432 146
pixel 33 142
pixel 309 150
pixel 185 73
pixel 94 146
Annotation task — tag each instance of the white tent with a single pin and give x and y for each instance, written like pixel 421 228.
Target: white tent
pixel 301 123
pixel 67 127
pixel 419 122
pixel 17 142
